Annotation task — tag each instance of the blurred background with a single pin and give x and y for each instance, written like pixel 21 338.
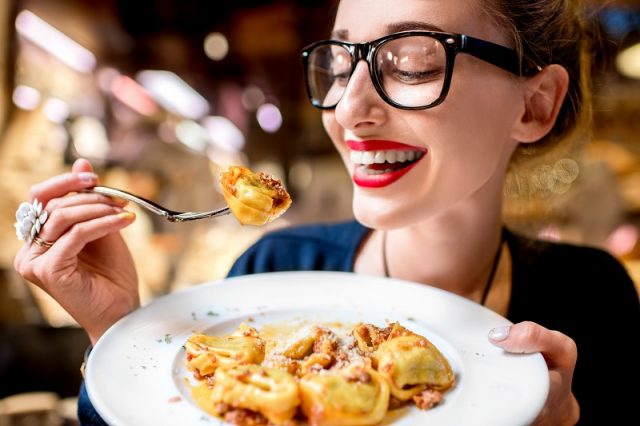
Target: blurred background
pixel 162 95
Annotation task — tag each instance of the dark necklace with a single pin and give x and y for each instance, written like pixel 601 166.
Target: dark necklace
pixel 487 287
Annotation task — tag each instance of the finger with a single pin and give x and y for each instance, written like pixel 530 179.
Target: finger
pixel 22 254
pixel 81 165
pixel 84 198
pixel 60 185
pixel 528 337
pixel 71 243
pixel 62 219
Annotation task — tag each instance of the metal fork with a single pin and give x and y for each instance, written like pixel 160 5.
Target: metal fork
pixel 170 215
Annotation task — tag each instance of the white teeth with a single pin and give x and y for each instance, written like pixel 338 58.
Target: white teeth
pixel 379 157
pixel 367 157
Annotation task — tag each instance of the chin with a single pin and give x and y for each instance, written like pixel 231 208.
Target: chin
pixel 392 213
pixel 378 213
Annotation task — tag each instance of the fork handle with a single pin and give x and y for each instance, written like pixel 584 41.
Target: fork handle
pixel 150 205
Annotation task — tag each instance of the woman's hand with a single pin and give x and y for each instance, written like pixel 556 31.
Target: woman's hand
pixel 88 270
pixel 560 353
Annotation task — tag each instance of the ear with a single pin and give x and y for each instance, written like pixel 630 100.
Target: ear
pixel 544 94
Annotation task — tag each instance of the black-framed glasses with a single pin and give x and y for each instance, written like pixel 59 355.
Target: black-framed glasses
pixel 409 69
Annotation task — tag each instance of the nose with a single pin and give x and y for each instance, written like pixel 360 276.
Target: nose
pixel 360 105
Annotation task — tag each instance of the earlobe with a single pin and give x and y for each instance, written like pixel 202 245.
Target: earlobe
pixel 543 96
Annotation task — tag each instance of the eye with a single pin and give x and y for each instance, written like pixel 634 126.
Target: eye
pixel 415 69
pixel 340 66
pixel 341 77
pixel 417 77
pixel 412 60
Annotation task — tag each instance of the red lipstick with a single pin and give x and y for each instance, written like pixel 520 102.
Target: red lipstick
pixel 379 175
pixel 380 145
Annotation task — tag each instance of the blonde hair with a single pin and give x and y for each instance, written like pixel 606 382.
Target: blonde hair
pixel 548 32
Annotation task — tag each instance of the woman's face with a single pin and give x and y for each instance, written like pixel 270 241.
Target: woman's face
pixel 463 145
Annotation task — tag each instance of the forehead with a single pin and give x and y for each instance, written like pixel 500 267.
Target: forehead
pixel 363 20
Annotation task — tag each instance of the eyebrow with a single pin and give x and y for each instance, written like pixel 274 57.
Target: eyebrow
pixel 393 28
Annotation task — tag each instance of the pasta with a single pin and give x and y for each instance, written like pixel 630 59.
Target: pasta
pixel 253 198
pixel 269 391
pixel 316 374
pixel 411 364
pixel 353 395
pixel 206 353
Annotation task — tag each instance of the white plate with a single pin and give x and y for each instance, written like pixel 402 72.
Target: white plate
pixel 136 373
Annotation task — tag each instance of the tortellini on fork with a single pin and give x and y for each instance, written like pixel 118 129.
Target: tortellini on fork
pixel 253 198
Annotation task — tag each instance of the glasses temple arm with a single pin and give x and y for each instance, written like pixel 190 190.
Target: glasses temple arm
pixel 497 55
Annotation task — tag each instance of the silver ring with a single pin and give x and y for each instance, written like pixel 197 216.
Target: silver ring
pixel 42 243
pixel 30 217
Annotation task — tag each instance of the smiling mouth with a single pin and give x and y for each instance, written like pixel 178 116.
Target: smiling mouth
pixel 384 161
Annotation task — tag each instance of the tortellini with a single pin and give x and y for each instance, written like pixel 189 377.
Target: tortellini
pixel 317 375
pixel 412 364
pixel 206 353
pixel 269 391
pixel 254 198
pixel 352 396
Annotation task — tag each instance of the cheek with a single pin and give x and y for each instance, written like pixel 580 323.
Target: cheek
pixel 329 122
pixel 335 132
pixel 478 116
pixel 475 150
pixel 469 149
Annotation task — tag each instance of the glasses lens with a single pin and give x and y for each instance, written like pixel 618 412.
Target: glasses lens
pixel 328 71
pixel 411 70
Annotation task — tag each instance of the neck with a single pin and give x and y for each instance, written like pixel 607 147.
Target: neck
pixel 490 279
pixel 457 251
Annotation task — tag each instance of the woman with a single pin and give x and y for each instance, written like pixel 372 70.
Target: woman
pixel 427 124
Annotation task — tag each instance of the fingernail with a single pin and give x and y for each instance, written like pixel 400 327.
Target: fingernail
pixel 87 177
pixel 499 333
pixel 127 215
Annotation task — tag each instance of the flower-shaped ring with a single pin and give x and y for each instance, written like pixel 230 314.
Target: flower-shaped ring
pixel 30 217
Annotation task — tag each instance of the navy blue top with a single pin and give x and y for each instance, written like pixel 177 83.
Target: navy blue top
pixel 582 292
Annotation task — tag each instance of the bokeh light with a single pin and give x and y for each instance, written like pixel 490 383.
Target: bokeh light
pixel 216 46
pixel 269 118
